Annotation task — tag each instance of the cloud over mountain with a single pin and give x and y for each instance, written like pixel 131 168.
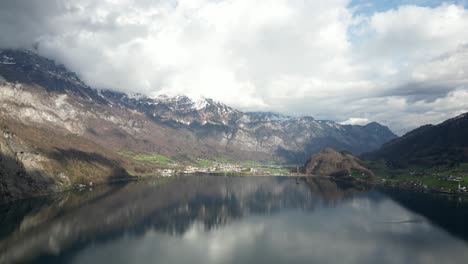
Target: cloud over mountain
pixel 402 65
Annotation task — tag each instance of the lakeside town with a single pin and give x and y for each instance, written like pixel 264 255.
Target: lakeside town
pixel 219 168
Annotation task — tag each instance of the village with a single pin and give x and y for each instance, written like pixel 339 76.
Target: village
pixel 229 169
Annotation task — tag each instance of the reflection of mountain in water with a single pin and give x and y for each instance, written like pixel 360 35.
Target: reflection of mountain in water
pixel 51 225
pixel 54 229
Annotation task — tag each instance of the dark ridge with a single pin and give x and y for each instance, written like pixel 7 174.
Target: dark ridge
pixel 444 144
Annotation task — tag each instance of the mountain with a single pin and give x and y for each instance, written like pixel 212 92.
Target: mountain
pixel 59 131
pixel 430 145
pixel 289 138
pixel 329 162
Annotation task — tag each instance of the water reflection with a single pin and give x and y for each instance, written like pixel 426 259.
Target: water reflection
pixel 207 219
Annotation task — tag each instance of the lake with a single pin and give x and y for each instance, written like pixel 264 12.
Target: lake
pixel 221 219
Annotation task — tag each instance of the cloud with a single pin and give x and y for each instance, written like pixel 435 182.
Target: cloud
pixel 356 121
pixel 328 59
pixel 362 230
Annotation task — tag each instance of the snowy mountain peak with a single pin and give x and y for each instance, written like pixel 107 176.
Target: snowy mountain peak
pixel 187 104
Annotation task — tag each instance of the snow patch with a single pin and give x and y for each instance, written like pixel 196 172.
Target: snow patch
pixel 5 60
pixel 184 122
pixel 99 92
pixel 200 104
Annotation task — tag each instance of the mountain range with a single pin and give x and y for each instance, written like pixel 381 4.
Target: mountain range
pixel 56 130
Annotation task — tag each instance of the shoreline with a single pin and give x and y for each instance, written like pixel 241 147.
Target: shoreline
pixel 401 187
pixel 353 181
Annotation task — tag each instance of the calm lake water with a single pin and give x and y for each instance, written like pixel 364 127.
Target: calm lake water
pixel 207 219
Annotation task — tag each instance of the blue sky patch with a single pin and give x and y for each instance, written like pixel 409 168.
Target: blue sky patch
pixel 368 7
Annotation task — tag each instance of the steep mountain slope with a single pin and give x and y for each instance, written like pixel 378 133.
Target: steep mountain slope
pixel 332 163
pixel 80 134
pixel 429 145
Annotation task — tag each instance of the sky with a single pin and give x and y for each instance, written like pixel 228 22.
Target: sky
pixel 402 63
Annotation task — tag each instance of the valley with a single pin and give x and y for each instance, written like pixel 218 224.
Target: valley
pixel 164 166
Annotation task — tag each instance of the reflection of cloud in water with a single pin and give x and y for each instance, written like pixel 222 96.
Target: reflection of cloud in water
pixel 348 233
pixel 228 220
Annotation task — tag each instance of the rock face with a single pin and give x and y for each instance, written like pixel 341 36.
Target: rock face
pixel 429 145
pixel 20 169
pixel 332 163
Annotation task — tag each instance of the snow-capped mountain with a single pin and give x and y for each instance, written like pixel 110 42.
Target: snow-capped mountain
pixel 50 116
pixel 178 109
pixel 270 133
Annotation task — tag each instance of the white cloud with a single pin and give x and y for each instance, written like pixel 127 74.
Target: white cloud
pixel 360 229
pixel 300 57
pixel 356 121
